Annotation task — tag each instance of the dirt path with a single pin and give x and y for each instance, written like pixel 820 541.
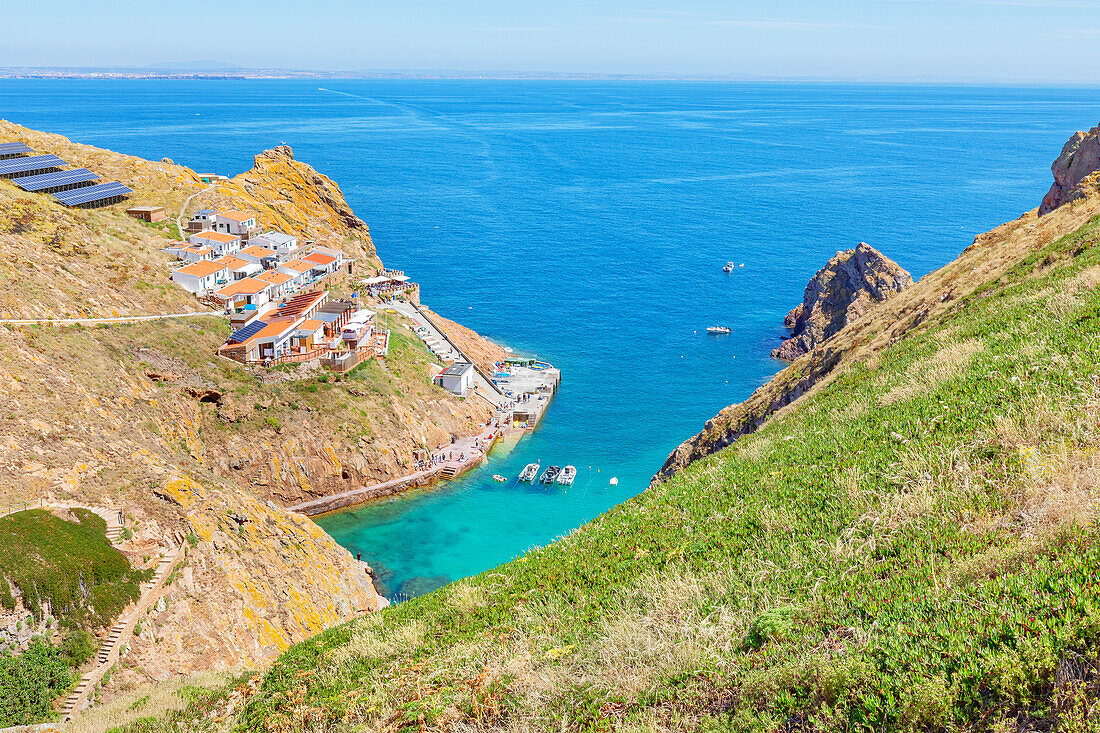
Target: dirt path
pixel 116 319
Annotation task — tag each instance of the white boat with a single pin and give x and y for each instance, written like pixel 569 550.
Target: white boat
pixel 567 476
pixel 728 267
pixel 719 329
pixel 529 472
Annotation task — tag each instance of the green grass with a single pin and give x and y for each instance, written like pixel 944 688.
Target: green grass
pixel 31 681
pixel 912 547
pixel 70 567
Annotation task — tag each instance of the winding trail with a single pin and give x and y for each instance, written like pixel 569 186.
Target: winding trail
pixel 116 319
pixel 186 202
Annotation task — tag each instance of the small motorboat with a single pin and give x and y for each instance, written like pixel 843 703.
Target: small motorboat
pixel 530 471
pixel 719 329
pixel 728 267
pixel 550 474
pixel 567 476
pixel 499 479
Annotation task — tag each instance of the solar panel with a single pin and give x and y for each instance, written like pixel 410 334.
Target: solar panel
pixel 7 149
pixel 52 180
pixel 243 334
pixel 88 194
pixel 33 163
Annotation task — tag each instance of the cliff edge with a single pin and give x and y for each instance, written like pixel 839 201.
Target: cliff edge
pixel 1076 171
pixel 842 291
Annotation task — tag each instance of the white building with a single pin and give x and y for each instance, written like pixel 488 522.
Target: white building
pixel 201 277
pixel 284 245
pixel 222 244
pixel 246 292
pixel 234 222
pixel 240 269
pixel 260 255
pixel 457 378
pixel 202 220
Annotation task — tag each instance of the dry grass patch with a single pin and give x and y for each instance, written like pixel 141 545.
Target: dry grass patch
pixel 148 700
pixel 924 375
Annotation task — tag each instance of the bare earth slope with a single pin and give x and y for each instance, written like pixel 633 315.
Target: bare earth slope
pixel 145 417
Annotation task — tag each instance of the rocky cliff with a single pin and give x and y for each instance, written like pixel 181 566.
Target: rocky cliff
pixel 841 292
pixel 882 323
pixel 1076 171
pixel 144 417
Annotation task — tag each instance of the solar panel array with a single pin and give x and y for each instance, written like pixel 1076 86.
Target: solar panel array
pixel 32 163
pixel 9 149
pixel 31 180
pixel 88 194
pixel 243 334
pixel 43 181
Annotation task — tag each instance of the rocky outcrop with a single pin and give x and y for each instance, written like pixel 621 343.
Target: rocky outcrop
pixel 838 294
pixel 1075 171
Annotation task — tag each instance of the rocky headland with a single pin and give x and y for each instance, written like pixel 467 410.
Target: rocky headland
pixel 1076 171
pixel 842 291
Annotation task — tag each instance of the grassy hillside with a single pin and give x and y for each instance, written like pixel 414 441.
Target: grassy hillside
pixel 69 567
pixel 910 546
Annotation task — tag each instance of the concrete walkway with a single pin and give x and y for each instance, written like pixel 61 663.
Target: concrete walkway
pixel 451 460
pixel 485 387
pixel 116 319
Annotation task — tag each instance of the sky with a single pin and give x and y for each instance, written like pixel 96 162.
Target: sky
pixel 906 40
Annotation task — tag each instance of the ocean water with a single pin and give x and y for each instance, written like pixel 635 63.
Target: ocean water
pixel 587 223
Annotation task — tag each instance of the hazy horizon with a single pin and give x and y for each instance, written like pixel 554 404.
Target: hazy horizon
pixel 995 41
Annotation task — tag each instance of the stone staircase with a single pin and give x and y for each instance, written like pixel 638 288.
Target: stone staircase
pixel 449 471
pixel 107 654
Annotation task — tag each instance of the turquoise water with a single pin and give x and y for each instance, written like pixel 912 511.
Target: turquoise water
pixel 587 223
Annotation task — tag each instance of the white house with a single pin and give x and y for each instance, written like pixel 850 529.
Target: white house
pixel 323 264
pixel 457 378
pixel 201 277
pixel 248 291
pixel 191 252
pixel 280 283
pixel 261 340
pixel 260 255
pixel 239 268
pixel 201 220
pixel 234 222
pixel 300 270
pixel 222 244
pixel 284 245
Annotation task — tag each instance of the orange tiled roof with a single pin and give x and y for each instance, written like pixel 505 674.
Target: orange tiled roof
pixel 319 259
pixel 233 263
pixel 216 236
pixel 258 251
pixel 202 268
pixel 299 265
pixel 275 278
pixel 245 286
pixel 234 215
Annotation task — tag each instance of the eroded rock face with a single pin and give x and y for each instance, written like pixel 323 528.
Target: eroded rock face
pixel 1075 170
pixel 838 294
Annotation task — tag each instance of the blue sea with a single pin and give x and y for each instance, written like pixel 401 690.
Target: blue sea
pixel 588 223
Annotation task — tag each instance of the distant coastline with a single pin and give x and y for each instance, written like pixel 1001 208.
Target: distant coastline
pixel 215 72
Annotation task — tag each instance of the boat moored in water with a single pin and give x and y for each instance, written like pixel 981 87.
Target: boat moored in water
pixel 719 329
pixel 530 471
pixel 499 479
pixel 567 476
pixel 728 267
pixel 550 474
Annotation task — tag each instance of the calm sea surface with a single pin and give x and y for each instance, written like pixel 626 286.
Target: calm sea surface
pixel 588 223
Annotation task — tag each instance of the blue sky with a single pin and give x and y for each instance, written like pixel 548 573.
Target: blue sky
pixel 918 40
